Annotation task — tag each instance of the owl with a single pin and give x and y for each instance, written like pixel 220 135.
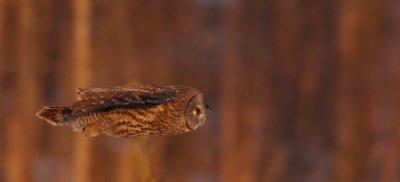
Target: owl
pixel 128 111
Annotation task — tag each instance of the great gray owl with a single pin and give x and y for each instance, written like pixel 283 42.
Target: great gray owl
pixel 131 111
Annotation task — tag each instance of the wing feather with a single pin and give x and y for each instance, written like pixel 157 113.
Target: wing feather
pixel 103 99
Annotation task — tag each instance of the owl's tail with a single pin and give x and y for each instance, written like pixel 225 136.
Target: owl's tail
pixel 54 115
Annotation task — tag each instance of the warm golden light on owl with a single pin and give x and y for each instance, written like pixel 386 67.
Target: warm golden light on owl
pixel 131 111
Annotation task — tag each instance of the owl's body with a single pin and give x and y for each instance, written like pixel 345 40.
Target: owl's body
pixel 131 111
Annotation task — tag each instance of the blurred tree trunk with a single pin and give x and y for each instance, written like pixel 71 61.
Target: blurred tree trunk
pixel 18 153
pixel 83 73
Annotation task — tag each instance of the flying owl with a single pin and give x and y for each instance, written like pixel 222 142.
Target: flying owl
pixel 131 111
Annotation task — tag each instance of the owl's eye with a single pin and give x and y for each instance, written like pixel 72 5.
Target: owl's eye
pixel 196 111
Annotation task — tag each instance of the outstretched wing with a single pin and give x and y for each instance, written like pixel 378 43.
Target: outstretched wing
pixel 103 99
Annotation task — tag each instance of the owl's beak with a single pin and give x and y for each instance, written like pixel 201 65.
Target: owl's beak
pixel 208 108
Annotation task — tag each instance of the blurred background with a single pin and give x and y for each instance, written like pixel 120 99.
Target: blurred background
pixel 300 90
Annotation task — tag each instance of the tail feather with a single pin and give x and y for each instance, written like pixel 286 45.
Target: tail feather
pixel 54 115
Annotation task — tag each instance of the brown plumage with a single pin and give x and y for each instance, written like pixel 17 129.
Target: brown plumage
pixel 131 111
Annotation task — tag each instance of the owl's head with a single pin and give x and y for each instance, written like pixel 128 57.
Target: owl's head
pixel 195 112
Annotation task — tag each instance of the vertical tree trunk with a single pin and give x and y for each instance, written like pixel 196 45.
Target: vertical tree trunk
pixel 19 154
pixel 82 72
pixel 231 75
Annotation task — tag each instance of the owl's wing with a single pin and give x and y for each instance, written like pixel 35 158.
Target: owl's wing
pixel 103 99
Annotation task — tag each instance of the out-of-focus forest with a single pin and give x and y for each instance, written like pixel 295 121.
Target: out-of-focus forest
pixel 300 90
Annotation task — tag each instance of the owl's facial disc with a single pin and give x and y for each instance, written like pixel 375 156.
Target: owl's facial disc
pixel 195 113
